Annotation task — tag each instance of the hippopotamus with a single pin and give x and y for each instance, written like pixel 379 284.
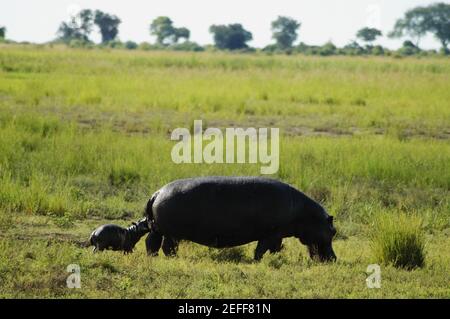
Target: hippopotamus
pixel 115 237
pixel 222 212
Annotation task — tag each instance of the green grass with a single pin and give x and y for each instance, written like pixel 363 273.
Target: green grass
pixel 85 140
pixel 399 240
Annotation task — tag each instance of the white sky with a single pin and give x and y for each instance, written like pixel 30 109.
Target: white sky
pixel 322 20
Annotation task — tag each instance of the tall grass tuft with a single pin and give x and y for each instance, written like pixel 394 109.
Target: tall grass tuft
pixel 398 240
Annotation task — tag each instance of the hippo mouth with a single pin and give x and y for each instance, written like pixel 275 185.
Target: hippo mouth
pixel 323 253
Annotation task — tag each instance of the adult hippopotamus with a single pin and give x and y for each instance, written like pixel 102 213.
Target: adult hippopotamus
pixel 231 211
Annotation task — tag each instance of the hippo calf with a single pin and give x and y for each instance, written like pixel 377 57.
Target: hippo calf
pixel 231 211
pixel 118 238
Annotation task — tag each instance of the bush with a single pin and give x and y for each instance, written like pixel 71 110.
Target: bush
pixel 444 51
pixel 78 44
pixel 131 45
pixel 327 49
pixel 377 50
pixel 398 240
pixel 307 49
pixel 408 48
pixel 145 46
pixel 271 48
pixel 187 46
pixel 353 48
pixel 115 44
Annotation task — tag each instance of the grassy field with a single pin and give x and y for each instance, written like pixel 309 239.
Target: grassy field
pixel 85 140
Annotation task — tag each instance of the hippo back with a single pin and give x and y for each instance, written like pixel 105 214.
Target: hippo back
pixel 224 211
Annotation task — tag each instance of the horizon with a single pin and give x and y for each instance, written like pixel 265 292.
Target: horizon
pixel 337 23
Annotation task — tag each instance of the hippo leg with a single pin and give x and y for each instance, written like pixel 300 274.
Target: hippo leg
pixel 277 246
pixel 100 247
pixel 169 246
pixel 273 244
pixel 153 243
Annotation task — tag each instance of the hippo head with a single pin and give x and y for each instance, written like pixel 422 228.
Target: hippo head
pixel 141 227
pixel 317 232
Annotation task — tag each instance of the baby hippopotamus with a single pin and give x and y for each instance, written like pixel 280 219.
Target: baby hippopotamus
pixel 118 238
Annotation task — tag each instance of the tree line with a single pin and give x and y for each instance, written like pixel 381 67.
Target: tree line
pixel 414 25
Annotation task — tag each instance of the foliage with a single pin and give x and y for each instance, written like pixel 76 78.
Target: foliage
pixel 2 33
pixel 438 22
pixel 434 19
pixel 368 34
pixel 409 48
pixel 131 45
pixel 413 25
pixel 166 33
pixel 230 37
pixel 108 25
pixel 398 239
pixel 78 27
pixel 328 49
pixel 284 31
pixel 187 46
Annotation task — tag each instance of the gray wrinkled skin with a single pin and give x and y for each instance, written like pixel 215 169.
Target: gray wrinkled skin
pixel 114 237
pixel 231 211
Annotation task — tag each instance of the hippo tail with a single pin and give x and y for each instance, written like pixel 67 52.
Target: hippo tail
pixel 149 208
pixel 91 239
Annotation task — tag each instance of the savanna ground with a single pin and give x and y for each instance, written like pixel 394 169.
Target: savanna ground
pixel 85 140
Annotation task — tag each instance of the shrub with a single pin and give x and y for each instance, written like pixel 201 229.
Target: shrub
pixel 145 46
pixel 327 49
pixel 377 50
pixel 408 48
pixel 76 44
pixel 187 46
pixel 130 45
pixel 398 240
pixel 115 44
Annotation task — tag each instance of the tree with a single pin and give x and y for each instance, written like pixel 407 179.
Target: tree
pixel 162 28
pixel 368 34
pixel 182 33
pixel 417 22
pixel 284 31
pixel 108 25
pixel 2 32
pixel 413 25
pixel 78 28
pixel 438 22
pixel 231 37
pixel 86 18
pixel 166 33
